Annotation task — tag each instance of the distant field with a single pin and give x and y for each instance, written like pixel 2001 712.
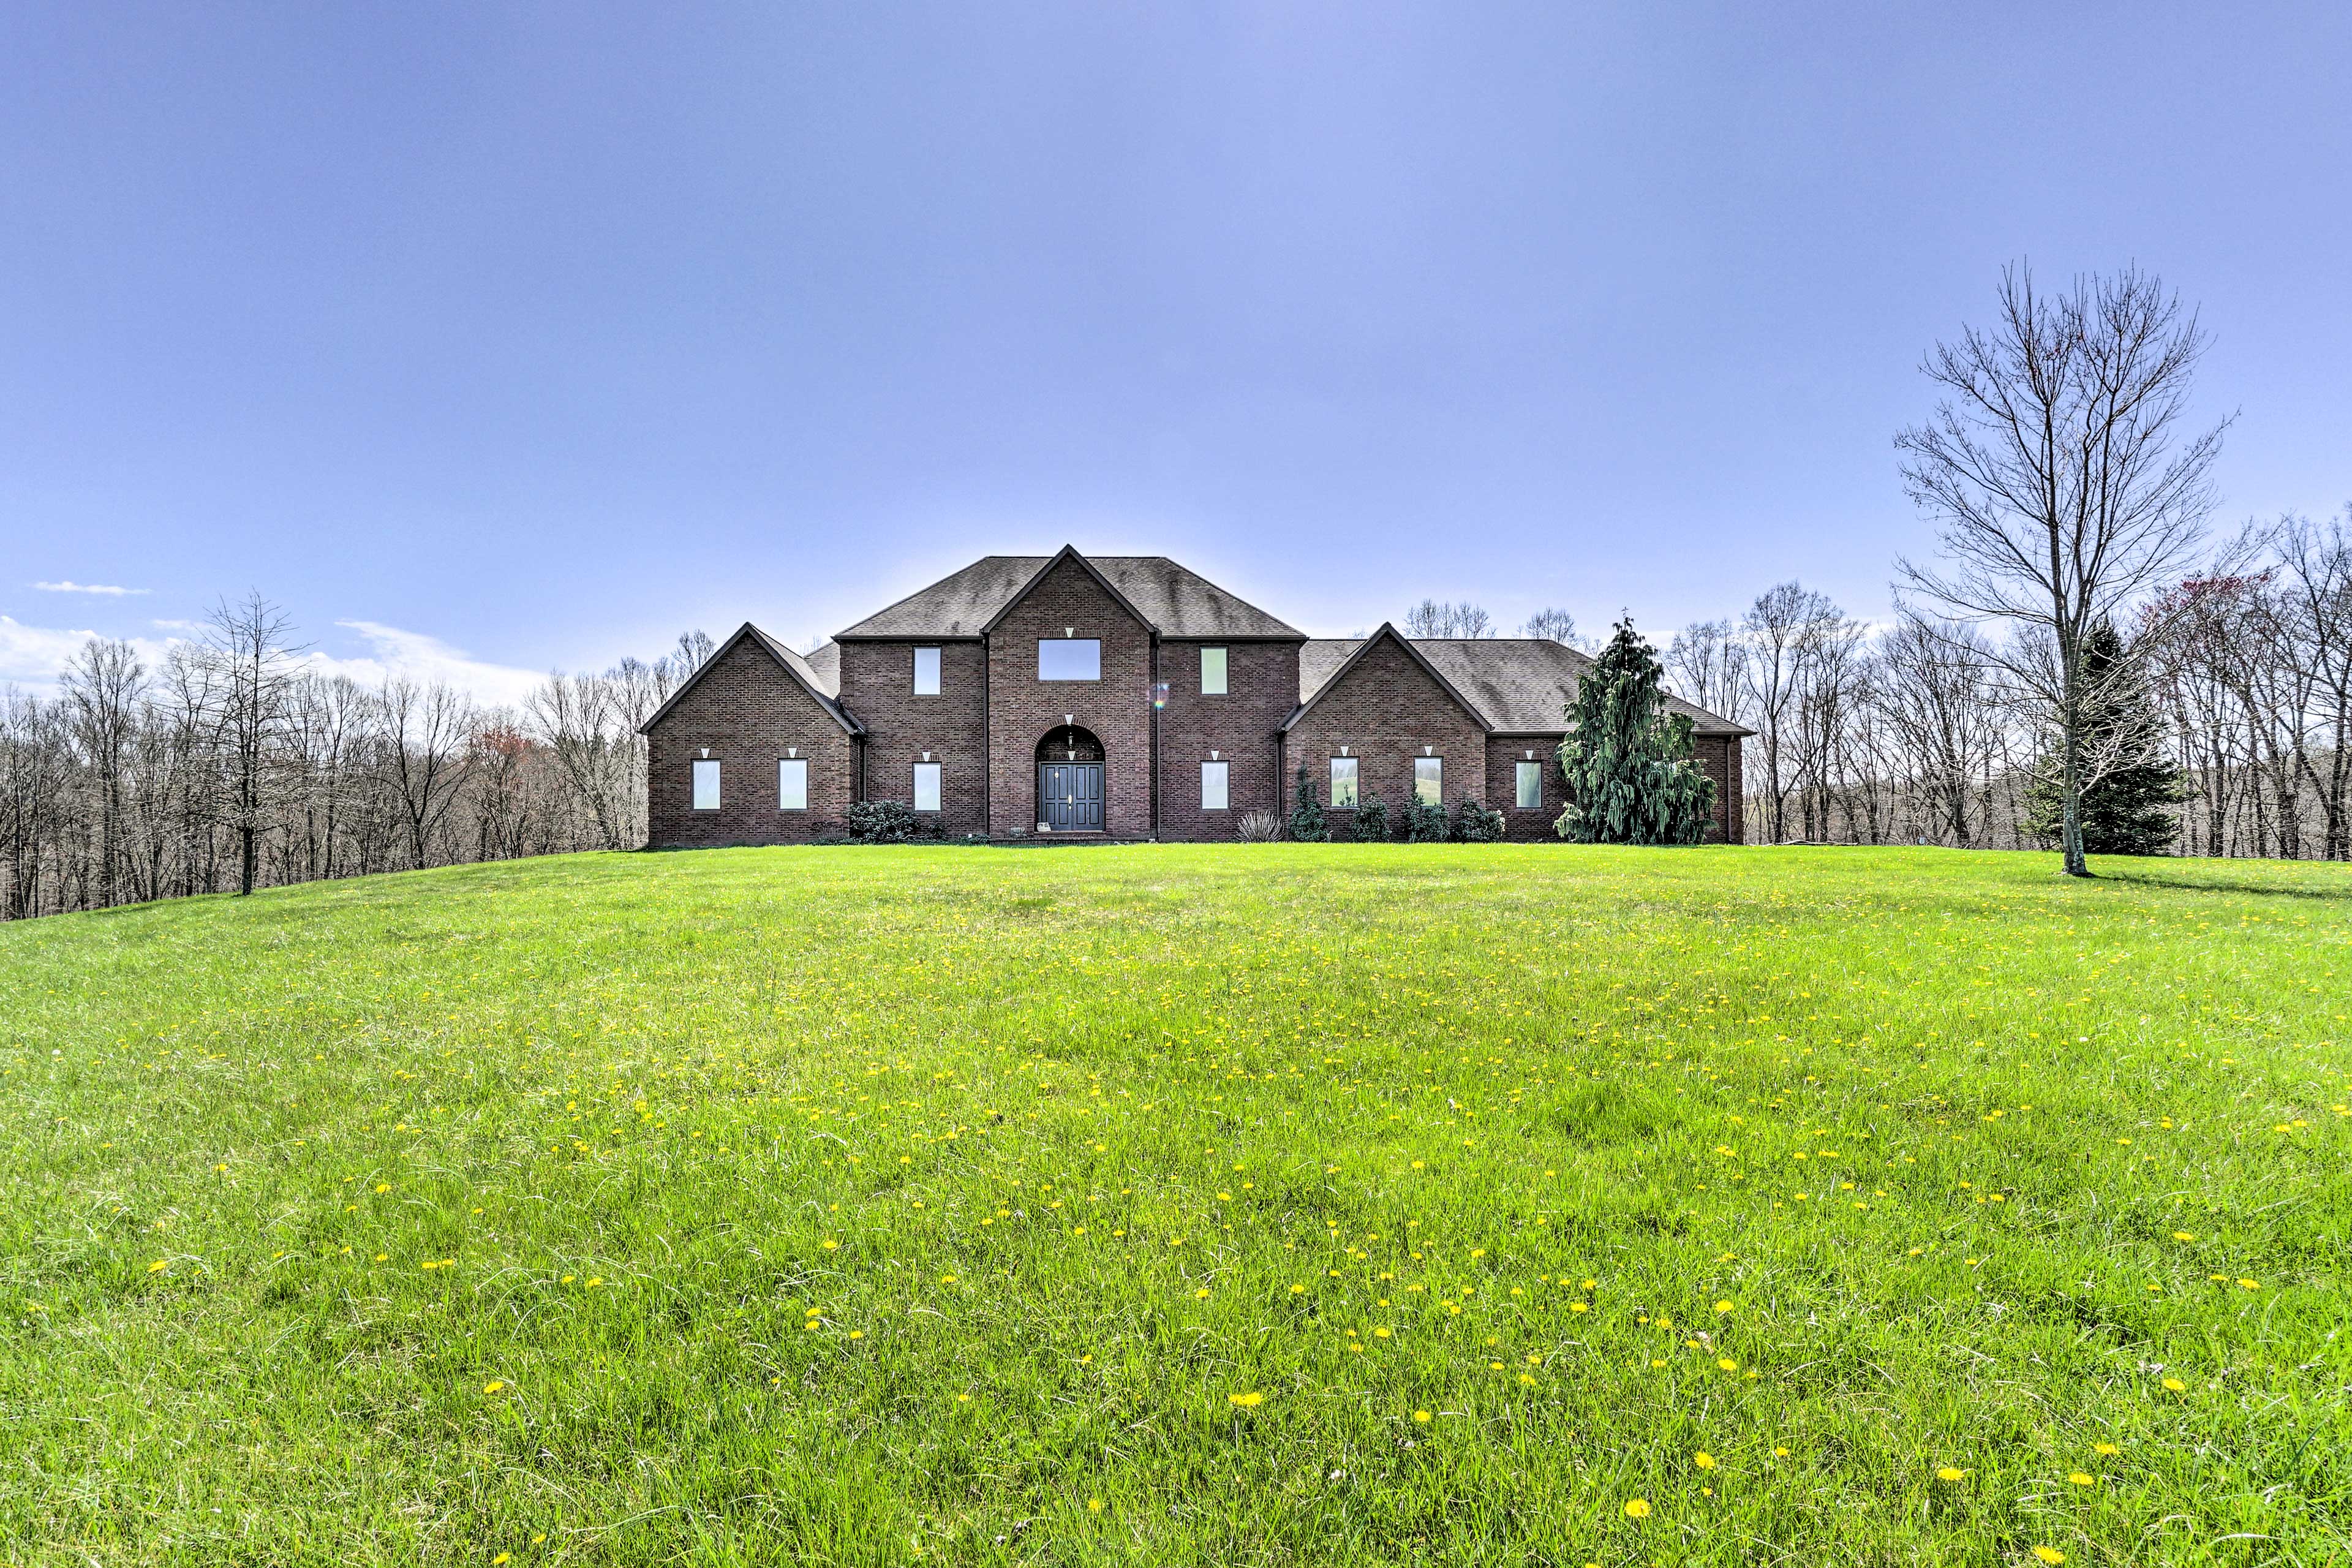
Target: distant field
pixel 1275 1205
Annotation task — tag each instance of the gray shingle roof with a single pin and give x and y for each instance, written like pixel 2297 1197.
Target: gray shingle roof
pixel 1516 684
pixel 825 665
pixel 1178 601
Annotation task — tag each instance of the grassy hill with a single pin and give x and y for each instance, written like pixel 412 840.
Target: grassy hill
pixel 1284 1205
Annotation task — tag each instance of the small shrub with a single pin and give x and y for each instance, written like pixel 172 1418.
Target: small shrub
pixel 1259 828
pixel 1425 822
pixel 1307 822
pixel 1474 824
pixel 1371 820
pixel 890 821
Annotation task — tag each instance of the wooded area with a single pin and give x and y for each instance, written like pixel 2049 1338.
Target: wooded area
pixel 234 765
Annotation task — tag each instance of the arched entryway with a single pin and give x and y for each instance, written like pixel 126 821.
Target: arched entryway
pixel 1069 780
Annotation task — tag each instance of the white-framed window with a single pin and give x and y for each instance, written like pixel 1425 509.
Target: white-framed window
pixel 791 784
pixel 706 784
pixel 1069 658
pixel 1213 786
pixel 927 786
pixel 1530 786
pixel 1429 780
pixel 1212 672
pixel 926 672
pixel 1343 782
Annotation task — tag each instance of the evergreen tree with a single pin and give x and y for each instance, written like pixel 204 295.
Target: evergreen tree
pixel 1371 820
pixel 2122 811
pixel 1307 822
pixel 1632 778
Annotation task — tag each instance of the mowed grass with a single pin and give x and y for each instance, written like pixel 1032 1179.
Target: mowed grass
pixel 1274 1205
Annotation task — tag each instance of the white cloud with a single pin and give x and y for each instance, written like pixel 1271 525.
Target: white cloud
pixel 424 657
pixel 72 587
pixel 34 656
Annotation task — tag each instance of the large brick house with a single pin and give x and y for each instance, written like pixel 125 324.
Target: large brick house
pixel 1120 696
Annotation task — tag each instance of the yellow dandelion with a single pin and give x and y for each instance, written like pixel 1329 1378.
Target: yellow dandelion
pixel 1094 1505
pixel 2050 1554
pixel 1723 1306
pixel 831 1245
pixel 2080 1479
pixel 492 1387
pixel 1950 1473
pixel 1422 1416
pixel 2105 1450
pixel 1637 1507
pixel 1727 1364
pixel 1704 1461
pixel 2184 1236
pixel 501 1557
pixel 2175 1385
pixel 160 1265
pixel 1249 1401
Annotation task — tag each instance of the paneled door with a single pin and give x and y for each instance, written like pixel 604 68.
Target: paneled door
pixel 1070 797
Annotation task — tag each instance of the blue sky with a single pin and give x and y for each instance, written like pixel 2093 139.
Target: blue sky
pixel 487 339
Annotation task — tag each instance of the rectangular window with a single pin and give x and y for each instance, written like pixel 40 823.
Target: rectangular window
pixel 1429 780
pixel 926 672
pixel 1343 782
pixel 1212 672
pixel 1530 786
pixel 1069 658
pixel 1213 786
pixel 705 784
pixel 927 786
pixel 791 784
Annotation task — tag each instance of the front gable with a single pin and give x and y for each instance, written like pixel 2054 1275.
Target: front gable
pixel 1387 661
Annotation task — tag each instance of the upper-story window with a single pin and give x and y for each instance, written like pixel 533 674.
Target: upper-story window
pixel 926 672
pixel 1069 658
pixel 1212 672
pixel 1429 780
pixel 706 784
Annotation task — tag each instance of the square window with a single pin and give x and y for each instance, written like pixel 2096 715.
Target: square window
pixel 1069 658
pixel 926 672
pixel 1212 672
pixel 927 786
pixel 791 784
pixel 1429 780
pixel 1213 786
pixel 1530 786
pixel 706 784
pixel 1343 783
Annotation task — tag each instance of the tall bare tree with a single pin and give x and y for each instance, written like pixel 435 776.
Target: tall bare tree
pixel 253 660
pixel 2057 472
pixel 1552 626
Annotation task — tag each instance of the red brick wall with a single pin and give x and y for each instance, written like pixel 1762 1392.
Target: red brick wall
pixel 1503 754
pixel 1720 755
pixel 1117 707
pixel 878 686
pixel 748 710
pixel 1385 709
pixel 1261 689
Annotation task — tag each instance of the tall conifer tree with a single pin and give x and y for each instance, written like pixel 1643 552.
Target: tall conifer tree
pixel 1630 775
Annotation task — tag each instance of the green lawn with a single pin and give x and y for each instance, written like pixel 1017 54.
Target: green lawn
pixel 1255 1205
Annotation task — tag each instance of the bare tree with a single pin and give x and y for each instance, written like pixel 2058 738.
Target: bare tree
pixel 1551 625
pixel 248 645
pixel 1706 664
pixel 103 688
pixel 1937 691
pixel 2052 471
pixel 426 730
pixel 1439 618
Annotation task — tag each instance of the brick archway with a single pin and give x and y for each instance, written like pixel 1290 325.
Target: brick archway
pixel 1070 794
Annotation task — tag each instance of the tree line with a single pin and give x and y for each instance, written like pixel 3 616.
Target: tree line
pixel 233 761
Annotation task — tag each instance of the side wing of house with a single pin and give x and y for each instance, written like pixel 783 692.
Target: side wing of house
pixel 1381 725
pixel 750 750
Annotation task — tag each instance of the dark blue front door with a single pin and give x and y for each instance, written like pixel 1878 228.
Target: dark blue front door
pixel 1070 797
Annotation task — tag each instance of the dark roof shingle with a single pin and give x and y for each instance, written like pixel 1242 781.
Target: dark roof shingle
pixel 1177 602
pixel 1517 684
